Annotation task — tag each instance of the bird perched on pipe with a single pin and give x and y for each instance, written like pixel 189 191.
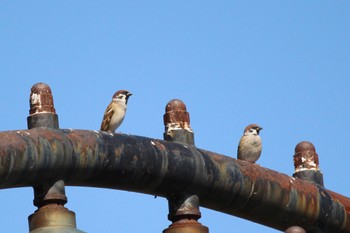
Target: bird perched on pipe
pixel 249 148
pixel 115 111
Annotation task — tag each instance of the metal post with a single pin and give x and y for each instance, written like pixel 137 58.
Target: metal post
pixel 183 207
pixel 51 215
pixel 306 166
pixel 306 163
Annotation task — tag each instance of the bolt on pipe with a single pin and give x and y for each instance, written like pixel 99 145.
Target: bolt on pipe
pixel 306 163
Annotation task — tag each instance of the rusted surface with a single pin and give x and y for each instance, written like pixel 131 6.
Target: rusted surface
pixel 50 192
pixel 42 112
pixel 306 163
pixel 41 100
pixel 176 116
pixel 342 199
pixel 156 167
pixel 177 123
pixel 305 157
pixel 49 195
pixel 176 113
pixel 183 206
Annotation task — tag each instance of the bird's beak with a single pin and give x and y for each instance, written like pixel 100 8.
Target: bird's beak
pixel 129 94
pixel 260 128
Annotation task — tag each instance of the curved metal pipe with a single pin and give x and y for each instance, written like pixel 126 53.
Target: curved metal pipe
pixel 157 167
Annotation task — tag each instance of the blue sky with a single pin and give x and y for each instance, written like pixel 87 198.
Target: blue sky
pixel 282 64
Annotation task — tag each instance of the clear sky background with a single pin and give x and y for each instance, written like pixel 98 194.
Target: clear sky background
pixel 282 64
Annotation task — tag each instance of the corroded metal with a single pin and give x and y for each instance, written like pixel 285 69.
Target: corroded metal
pixel 305 157
pixel 157 167
pixel 306 163
pixel 49 196
pixel 177 129
pixel 52 191
pixel 184 214
pixel 41 100
pixel 184 206
pixel 42 112
pixel 177 123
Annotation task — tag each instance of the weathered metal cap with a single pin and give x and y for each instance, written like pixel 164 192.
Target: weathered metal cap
pixel 50 192
pixel 176 115
pixel 305 157
pixel 184 208
pixel 41 100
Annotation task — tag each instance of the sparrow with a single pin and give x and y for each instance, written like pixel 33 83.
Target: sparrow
pixel 249 148
pixel 115 111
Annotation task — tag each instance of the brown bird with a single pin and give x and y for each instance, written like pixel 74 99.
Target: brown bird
pixel 115 111
pixel 249 148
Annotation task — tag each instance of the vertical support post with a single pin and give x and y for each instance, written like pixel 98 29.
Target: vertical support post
pixel 51 215
pixel 306 163
pixel 183 207
pixel 306 166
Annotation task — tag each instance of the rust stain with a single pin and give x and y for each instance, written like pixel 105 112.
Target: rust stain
pixel 41 100
pixel 176 116
pixel 159 145
pixel 305 157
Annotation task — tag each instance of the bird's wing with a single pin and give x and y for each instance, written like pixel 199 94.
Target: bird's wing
pixel 240 150
pixel 107 117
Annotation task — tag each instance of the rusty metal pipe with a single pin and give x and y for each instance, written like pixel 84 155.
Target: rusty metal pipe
pixel 157 167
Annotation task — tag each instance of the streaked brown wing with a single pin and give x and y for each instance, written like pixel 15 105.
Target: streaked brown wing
pixel 107 118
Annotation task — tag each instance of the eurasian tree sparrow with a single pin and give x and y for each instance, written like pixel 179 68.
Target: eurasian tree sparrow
pixel 249 148
pixel 115 112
